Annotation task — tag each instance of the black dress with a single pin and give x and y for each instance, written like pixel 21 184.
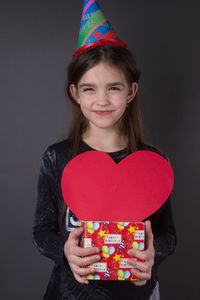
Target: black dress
pixel 50 241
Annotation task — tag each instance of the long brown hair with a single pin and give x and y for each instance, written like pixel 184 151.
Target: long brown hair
pixel 130 124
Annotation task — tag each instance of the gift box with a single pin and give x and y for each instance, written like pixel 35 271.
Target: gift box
pixel 114 240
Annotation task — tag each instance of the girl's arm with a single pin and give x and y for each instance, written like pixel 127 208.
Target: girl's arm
pixel 162 224
pixel 165 239
pixel 161 242
pixel 63 250
pixel 46 235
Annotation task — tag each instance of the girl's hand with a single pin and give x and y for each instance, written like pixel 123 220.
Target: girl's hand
pixel 78 257
pixel 147 256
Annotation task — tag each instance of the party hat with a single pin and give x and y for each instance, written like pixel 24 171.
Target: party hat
pixel 95 29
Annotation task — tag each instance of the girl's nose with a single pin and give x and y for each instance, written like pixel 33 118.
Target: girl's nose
pixel 102 98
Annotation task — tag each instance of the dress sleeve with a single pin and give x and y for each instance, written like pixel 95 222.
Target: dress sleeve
pixel 46 234
pixel 163 229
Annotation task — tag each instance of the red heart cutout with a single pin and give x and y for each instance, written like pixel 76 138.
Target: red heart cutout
pixel 97 189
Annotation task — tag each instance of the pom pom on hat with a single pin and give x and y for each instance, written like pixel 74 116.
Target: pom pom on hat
pixel 95 29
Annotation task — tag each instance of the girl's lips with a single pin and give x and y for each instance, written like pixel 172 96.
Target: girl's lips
pixel 103 113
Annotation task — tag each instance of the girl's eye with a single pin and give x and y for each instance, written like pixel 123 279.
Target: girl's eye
pixel 114 88
pixel 87 89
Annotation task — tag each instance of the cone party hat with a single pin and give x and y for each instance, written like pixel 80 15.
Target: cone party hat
pixel 95 29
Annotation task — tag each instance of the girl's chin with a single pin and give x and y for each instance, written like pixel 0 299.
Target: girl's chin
pixel 105 125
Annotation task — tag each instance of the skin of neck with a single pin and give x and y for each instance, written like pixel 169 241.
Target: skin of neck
pixel 104 139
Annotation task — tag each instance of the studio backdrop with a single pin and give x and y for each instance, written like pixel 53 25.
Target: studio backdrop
pixel 38 39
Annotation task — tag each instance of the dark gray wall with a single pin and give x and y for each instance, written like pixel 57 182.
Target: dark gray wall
pixel 37 41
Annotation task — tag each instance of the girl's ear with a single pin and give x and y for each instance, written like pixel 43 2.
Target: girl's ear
pixel 133 91
pixel 74 92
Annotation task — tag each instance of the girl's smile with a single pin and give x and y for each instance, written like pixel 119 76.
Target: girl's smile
pixel 103 112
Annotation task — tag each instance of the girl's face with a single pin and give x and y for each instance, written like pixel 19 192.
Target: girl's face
pixel 103 94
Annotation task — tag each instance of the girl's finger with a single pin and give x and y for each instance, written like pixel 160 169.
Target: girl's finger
pixel 73 267
pixel 84 271
pixel 144 255
pixel 149 233
pixel 144 267
pixel 79 251
pixel 141 275
pixel 81 279
pixel 86 260
pixel 75 234
pixel 139 282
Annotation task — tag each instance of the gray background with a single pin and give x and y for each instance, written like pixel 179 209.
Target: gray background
pixel 37 41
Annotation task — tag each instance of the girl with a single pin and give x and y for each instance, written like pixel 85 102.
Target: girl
pixel 102 86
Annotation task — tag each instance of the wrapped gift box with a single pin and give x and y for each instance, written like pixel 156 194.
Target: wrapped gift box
pixel 114 240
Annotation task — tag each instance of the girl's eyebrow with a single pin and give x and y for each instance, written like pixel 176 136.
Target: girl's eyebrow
pixel 93 85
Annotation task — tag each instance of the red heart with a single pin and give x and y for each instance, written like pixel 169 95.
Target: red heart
pixel 97 189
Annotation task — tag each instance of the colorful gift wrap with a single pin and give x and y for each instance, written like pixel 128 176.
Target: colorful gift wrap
pixel 114 240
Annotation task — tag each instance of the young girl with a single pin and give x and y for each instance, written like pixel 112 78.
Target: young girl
pixel 102 86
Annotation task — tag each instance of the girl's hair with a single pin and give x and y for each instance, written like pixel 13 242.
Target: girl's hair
pixel 130 124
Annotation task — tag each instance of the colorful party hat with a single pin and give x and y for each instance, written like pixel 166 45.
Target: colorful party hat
pixel 121 246
pixel 107 274
pixel 95 29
